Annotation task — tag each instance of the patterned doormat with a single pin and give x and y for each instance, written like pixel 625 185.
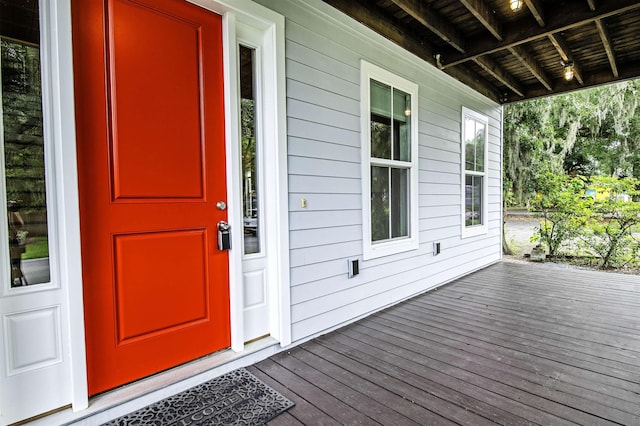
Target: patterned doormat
pixel 236 398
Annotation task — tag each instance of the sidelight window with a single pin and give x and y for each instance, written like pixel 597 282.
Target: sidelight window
pixel 22 142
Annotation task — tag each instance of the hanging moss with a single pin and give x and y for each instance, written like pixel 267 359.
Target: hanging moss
pixel 595 131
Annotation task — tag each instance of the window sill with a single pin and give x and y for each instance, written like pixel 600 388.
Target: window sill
pixel 474 231
pixel 389 248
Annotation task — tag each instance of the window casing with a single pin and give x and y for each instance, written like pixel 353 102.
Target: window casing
pixel 475 137
pixel 389 120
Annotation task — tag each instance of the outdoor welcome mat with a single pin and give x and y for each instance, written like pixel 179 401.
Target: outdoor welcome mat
pixel 236 398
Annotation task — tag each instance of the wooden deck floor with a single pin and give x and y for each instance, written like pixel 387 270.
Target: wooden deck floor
pixel 513 344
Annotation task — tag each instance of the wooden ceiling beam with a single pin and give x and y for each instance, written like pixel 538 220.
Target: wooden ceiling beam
pixel 481 11
pixel 434 22
pixel 564 50
pixel 595 78
pixel 491 67
pixel 536 10
pixel 532 65
pixel 387 28
pixel 608 46
pixel 384 26
pixel 559 18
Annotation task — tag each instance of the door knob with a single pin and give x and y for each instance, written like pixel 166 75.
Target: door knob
pixel 221 205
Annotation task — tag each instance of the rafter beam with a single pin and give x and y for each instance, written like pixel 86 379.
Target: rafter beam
pixel 521 31
pixel 434 22
pixel 481 11
pixel 532 65
pixel 490 66
pixel 564 50
pixel 536 10
pixel 594 78
pixel 592 4
pixel 387 28
pixel 608 46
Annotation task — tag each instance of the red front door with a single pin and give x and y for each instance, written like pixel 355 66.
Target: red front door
pixel 151 162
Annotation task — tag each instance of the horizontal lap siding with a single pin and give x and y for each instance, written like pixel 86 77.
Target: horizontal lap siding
pixel 323 53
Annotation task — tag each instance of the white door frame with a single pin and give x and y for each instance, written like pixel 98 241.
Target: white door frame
pixel 66 178
pixel 58 97
pixel 273 119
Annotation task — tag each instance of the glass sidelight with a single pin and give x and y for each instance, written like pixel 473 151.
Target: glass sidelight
pixel 249 152
pixel 22 141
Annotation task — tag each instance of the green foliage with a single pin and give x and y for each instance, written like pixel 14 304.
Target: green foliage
pixel 22 125
pixel 559 198
pixel 612 221
pixel 602 226
pixel 589 132
pixel 36 248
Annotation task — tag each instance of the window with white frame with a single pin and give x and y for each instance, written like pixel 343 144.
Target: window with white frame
pixel 474 177
pixel 23 136
pixel 389 162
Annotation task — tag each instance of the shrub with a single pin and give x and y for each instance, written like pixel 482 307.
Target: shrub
pixel 564 210
pixel 611 222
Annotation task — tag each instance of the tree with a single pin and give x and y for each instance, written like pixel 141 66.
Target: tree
pixel 590 132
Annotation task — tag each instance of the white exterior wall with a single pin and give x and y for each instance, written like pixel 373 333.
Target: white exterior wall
pixel 323 53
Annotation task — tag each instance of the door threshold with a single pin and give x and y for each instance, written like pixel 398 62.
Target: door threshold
pixel 112 404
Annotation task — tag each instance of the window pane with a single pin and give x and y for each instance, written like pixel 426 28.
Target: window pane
pixel 251 212
pixel 473 200
pixel 399 203
pixel 479 138
pixel 474 145
pixel 379 203
pixel 380 120
pixel 469 144
pixel 23 144
pixel 401 125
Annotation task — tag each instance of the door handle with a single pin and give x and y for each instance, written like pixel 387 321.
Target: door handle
pixel 224 236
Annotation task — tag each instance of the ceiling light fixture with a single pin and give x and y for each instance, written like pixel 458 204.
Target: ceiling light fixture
pixel 569 70
pixel 515 5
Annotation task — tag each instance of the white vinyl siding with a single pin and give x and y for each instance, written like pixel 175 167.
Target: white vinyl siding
pixel 324 50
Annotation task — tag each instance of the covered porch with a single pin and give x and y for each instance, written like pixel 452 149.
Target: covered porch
pixel 511 344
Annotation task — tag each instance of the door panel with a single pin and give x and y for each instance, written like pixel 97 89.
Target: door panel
pixel 34 338
pixel 150 130
pixel 149 269
pixel 156 112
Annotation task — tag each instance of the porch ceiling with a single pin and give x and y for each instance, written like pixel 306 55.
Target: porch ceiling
pixel 512 56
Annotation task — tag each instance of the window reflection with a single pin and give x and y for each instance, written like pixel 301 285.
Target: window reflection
pixel 23 143
pixel 250 203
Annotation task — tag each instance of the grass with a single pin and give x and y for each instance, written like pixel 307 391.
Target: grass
pixel 37 248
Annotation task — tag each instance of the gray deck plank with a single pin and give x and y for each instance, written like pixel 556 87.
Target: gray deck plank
pixel 433 397
pixel 375 391
pixel 377 411
pixel 543 348
pixel 304 411
pixel 512 344
pixel 521 359
pixel 475 370
pixel 484 328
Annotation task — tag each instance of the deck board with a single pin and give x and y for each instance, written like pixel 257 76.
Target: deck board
pixel 512 344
